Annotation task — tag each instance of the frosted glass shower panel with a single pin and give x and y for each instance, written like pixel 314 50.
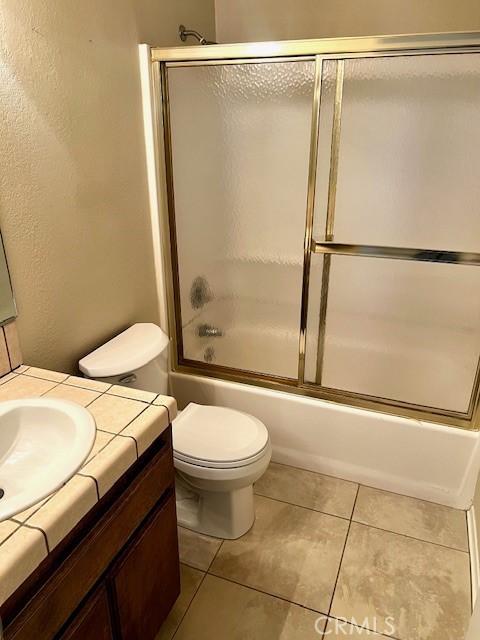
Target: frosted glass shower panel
pixel 401 330
pixel 408 174
pixel 240 146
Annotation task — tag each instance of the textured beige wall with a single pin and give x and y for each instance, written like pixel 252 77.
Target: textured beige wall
pixel 257 20
pixel 73 195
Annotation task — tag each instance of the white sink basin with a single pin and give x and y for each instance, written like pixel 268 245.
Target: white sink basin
pixel 43 443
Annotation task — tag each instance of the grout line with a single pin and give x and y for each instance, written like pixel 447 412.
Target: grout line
pixel 29 375
pixel 204 574
pixel 266 593
pixel 294 504
pixel 167 410
pixel 119 395
pixel 404 495
pixel 55 384
pixel 404 535
pixel 87 475
pixel 132 420
pixel 215 556
pixel 6 382
pixel 131 438
pixel 341 557
pixel 34 528
pixel 315 473
pixel 7 348
pixel 12 519
pixel 9 373
pixel 365 524
pixel 85 388
pixel 367 486
pixel 39 505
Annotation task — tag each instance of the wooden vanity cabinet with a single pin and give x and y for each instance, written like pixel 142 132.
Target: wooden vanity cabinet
pixel 93 620
pixel 140 582
pixel 116 575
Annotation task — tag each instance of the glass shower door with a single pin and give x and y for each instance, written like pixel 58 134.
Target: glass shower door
pixel 394 305
pixel 240 136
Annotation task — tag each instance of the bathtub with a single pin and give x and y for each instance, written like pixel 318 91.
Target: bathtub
pixel 419 459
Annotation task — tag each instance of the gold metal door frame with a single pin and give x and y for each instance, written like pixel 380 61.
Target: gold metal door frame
pixel 338 49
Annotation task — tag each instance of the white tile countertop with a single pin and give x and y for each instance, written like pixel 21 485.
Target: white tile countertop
pixel 128 421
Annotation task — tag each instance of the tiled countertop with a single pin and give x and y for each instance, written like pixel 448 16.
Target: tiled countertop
pixel 128 421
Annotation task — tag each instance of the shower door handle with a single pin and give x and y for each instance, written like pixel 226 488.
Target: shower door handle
pixel 395 253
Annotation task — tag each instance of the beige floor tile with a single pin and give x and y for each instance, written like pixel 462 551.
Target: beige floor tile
pixel 341 629
pixel 112 413
pixel 196 549
pixel 66 392
pixel 290 552
pixel 133 394
pixel 222 610
pixel 424 587
pixel 190 580
pixel 307 489
pixel 417 518
pixel 87 383
pixel 25 387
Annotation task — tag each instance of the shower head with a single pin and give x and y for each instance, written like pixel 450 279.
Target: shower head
pixel 185 33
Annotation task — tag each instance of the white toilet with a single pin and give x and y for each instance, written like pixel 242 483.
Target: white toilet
pixel 218 452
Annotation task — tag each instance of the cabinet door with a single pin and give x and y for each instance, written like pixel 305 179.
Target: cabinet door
pixel 92 621
pixel 145 581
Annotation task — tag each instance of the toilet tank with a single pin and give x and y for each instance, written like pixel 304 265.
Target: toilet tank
pixel 136 358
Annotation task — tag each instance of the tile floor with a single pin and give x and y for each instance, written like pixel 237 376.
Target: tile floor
pixel 321 551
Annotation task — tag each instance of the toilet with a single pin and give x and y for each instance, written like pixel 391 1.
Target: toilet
pixel 218 452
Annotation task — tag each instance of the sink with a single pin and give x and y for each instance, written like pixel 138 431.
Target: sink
pixel 43 443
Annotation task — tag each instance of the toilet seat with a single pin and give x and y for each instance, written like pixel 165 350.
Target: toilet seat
pixel 218 438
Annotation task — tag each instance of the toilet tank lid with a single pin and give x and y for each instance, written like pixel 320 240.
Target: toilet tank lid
pixel 130 350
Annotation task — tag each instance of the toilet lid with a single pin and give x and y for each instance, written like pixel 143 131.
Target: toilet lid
pixel 217 435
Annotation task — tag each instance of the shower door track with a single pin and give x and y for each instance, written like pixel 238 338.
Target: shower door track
pixel 336 49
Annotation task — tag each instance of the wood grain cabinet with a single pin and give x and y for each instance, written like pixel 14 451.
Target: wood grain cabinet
pixel 116 575
pixel 93 620
pixel 145 581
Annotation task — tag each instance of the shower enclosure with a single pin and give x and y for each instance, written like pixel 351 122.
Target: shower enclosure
pixel 324 218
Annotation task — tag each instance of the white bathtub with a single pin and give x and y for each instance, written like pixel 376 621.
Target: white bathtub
pixel 419 459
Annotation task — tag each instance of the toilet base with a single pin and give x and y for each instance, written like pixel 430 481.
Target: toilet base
pixel 222 514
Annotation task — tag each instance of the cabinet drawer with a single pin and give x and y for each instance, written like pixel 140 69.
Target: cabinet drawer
pixel 92 621
pixel 145 581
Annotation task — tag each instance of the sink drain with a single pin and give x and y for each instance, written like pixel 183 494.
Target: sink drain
pixel 2 493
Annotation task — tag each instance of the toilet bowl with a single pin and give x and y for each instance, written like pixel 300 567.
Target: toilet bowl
pixel 218 452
